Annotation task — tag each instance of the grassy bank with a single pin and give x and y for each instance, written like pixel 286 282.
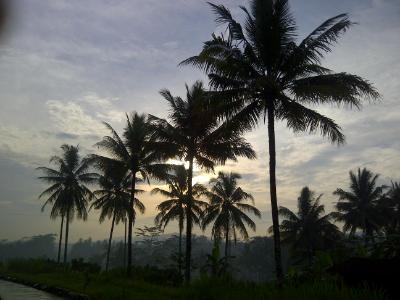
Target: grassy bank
pixel 115 286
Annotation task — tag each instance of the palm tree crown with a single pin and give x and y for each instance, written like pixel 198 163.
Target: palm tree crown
pixel 357 208
pixel 262 73
pixel 309 229
pixel 227 209
pixel 175 207
pixel 68 192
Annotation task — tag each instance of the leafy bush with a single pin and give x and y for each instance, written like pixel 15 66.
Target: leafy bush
pixel 157 276
pixel 208 288
pixel 79 265
pixel 34 265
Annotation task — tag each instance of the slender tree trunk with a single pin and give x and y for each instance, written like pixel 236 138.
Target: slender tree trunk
pixel 274 200
pixel 180 244
pixel 130 225
pixel 124 261
pixel 189 222
pixel 226 241
pixel 60 239
pixel 109 242
pixel 66 237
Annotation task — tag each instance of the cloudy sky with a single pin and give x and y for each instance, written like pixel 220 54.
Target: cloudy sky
pixel 67 65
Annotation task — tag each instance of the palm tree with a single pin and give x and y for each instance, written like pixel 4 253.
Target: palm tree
pixel 68 193
pixel 310 229
pixel 138 154
pixel 391 203
pixel 113 199
pixel 227 209
pixel 193 133
pixel 359 207
pixel 262 74
pixel 175 207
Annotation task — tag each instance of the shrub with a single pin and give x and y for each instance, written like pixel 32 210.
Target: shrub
pixel 79 265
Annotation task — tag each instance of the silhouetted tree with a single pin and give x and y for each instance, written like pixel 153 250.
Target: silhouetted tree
pixel 389 207
pixel 359 207
pixel 68 193
pixel 113 200
pixel 310 229
pixel 194 133
pixel 138 153
pixel 175 207
pixel 263 74
pixel 227 209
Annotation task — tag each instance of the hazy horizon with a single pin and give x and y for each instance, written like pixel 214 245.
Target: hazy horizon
pixel 65 66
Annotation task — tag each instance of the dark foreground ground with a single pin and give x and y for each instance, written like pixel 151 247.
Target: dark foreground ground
pixel 115 286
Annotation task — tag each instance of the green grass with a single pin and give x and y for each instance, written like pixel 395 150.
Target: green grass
pixel 115 286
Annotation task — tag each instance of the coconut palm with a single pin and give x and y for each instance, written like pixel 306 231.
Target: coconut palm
pixel 227 209
pixel 310 229
pixel 194 134
pixel 391 209
pixel 68 193
pixel 175 207
pixel 359 207
pixel 138 154
pixel 113 199
pixel 263 74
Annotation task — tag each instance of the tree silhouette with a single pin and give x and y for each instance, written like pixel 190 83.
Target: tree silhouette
pixel 175 207
pixel 113 200
pixel 261 73
pixel 137 153
pixel 227 209
pixel 194 133
pixel 68 193
pixel 309 229
pixel 392 209
pixel 359 207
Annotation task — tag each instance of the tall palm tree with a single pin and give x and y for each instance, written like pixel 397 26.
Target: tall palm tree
pixel 138 154
pixel 68 193
pixel 359 207
pixel 263 74
pixel 310 229
pixel 175 207
pixel 113 199
pixel 227 209
pixel 193 133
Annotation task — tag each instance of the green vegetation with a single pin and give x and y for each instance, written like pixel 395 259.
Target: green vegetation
pixel 115 285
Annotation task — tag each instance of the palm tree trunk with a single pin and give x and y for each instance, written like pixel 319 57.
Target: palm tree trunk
pixel 226 241
pixel 274 200
pixel 60 239
pixel 124 260
pixel 130 225
pixel 109 242
pixel 180 245
pixel 66 237
pixel 189 222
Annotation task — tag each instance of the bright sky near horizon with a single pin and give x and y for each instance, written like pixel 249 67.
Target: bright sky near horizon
pixel 65 66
